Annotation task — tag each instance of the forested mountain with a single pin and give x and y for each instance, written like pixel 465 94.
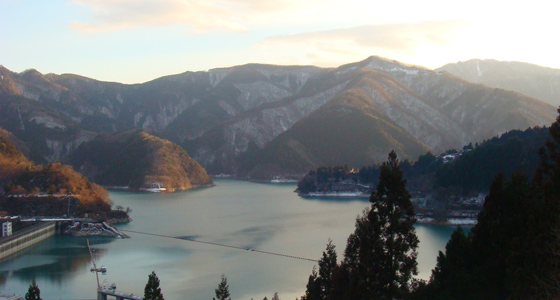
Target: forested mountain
pixel 18 144
pixel 261 121
pixel 138 160
pixel 514 151
pixel 511 253
pixel 539 82
pixel 53 189
pixel 470 173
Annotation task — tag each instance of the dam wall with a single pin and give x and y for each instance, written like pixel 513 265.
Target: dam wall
pixel 26 237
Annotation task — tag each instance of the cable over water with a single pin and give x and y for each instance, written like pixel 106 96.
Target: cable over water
pixel 220 245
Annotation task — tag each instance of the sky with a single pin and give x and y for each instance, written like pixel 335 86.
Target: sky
pixel 134 41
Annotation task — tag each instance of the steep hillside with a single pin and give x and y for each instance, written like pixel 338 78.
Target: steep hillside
pixel 469 112
pixel 18 144
pixel 140 161
pixel 180 107
pixel 513 151
pixel 388 105
pixel 47 132
pixel 260 119
pixel 469 173
pixel 349 129
pixel 29 189
pixel 539 82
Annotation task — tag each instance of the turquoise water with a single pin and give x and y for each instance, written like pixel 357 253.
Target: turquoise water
pixel 266 217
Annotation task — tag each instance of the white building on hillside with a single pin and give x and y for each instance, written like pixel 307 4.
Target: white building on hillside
pixel 6 228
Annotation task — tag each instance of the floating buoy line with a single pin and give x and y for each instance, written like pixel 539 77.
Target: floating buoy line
pixel 220 245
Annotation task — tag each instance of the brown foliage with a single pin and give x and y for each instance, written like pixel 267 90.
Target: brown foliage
pixel 20 176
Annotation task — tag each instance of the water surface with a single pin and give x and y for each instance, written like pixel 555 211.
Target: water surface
pixel 266 217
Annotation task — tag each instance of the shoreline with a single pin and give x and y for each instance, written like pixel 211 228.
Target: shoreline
pixel 158 189
pixel 447 222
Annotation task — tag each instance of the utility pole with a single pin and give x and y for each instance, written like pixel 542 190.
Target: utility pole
pixel 103 270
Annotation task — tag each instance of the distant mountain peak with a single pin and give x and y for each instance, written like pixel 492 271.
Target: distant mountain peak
pixel 542 83
pixel 31 71
pixel 226 118
pixel 378 62
pixel 385 65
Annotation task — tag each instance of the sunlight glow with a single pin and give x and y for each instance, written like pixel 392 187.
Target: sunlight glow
pixel 107 39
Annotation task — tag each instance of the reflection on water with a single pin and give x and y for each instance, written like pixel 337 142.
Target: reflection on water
pixel 55 260
pixel 337 199
pixel 248 215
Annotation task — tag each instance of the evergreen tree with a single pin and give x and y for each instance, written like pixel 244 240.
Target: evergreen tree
pixel 514 250
pixel 502 223
pixel 380 256
pixel 484 265
pixel 275 296
pixel 319 284
pixel 451 278
pixel 313 290
pixel 222 292
pixel 152 291
pixel 327 265
pixel 33 293
pixel 542 245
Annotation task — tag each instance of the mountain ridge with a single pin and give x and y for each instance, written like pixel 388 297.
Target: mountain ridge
pixel 227 117
pixel 533 80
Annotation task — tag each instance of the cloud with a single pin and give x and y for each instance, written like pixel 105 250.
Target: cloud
pixel 330 47
pixel 405 36
pixel 229 15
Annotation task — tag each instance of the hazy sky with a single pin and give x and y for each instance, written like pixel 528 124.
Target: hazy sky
pixel 133 41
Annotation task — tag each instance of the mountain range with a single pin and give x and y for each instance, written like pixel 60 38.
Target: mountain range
pixel 261 121
pixel 536 81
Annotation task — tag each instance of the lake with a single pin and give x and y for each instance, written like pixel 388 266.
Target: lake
pixel 264 217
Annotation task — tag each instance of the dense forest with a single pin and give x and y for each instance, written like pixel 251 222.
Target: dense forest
pixel 138 160
pixel 53 189
pixel 468 171
pixel 512 252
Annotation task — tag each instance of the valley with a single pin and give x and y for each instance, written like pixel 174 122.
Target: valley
pixel 259 121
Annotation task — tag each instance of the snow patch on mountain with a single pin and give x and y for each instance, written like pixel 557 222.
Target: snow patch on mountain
pixel 59 149
pixel 22 125
pixel 263 127
pixel 148 122
pixel 35 95
pixel 107 111
pixel 257 93
pixel 47 121
pixel 306 105
pixel 232 111
pixel 217 75
pixel 478 68
pixel 77 119
pixel 137 117
pixel 290 76
pixel 536 118
pixel 407 71
pixel 413 115
pixel 168 113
